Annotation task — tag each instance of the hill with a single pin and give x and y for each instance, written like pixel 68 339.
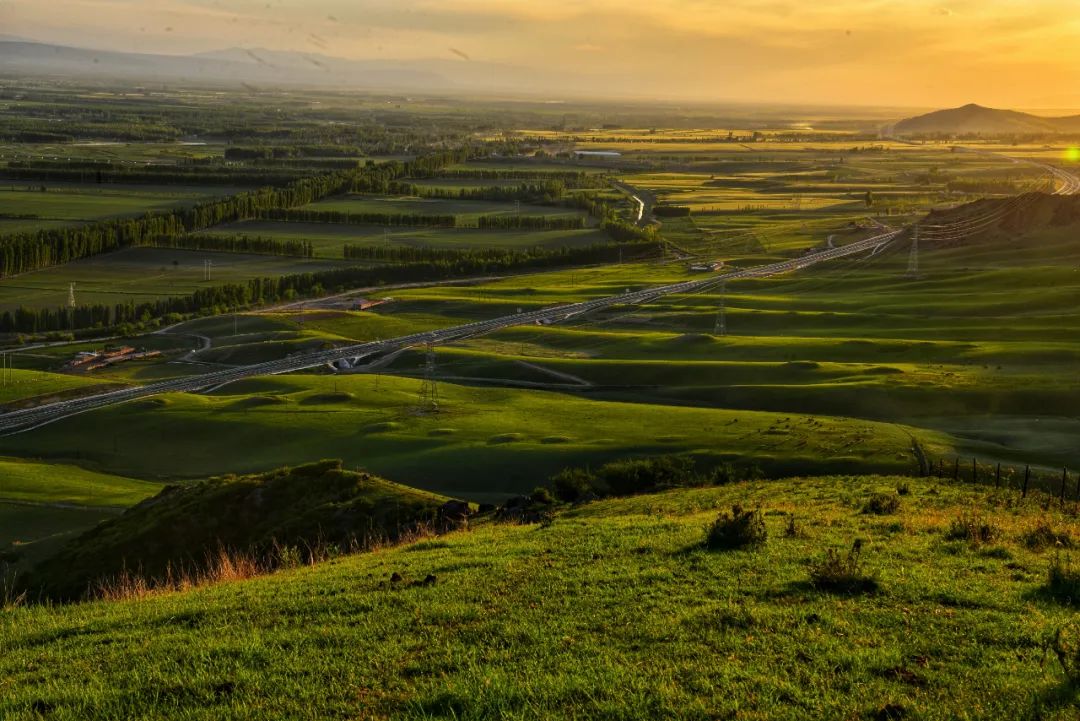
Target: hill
pixel 182 530
pixel 1024 215
pixel 978 120
pixel 615 609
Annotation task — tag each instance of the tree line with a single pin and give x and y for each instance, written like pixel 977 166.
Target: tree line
pixel 438 264
pixel 240 243
pixel 22 252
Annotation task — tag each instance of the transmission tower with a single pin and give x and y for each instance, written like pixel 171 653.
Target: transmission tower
pixel 71 295
pixel 428 398
pixel 913 256
pixel 207 264
pixel 721 313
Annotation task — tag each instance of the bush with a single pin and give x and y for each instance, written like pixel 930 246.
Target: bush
pixel 541 496
pixel 842 573
pixel 631 476
pixel 727 473
pixel 1045 536
pixel 574 484
pixel 882 504
pixel 735 530
pixel 1063 582
pixel 903 489
pixel 972 528
pixel 1066 646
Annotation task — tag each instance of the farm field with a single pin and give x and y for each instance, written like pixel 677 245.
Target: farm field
pixel 68 204
pixel 329 239
pixel 138 274
pixel 467 211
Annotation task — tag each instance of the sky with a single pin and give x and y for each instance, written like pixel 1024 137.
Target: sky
pixel 914 53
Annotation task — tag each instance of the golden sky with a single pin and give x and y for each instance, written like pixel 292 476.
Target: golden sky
pixel 923 53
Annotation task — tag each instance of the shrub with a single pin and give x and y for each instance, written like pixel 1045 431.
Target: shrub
pixel 842 573
pixel 1066 646
pixel 903 489
pixel 738 529
pixel 1063 582
pixel 792 528
pixel 973 528
pixel 727 473
pixel 1045 535
pixel 630 476
pixel 542 496
pixel 882 504
pixel 574 484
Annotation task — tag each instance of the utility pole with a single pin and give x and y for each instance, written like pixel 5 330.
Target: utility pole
pixel 913 256
pixel 71 295
pixel 206 269
pixel 428 398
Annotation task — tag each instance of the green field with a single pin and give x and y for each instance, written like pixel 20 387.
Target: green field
pixel 467 211
pixel 484 443
pixel 613 610
pixel 42 504
pixel 139 274
pixel 329 239
pixel 72 204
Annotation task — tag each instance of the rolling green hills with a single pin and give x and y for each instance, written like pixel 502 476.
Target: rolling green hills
pixel 613 610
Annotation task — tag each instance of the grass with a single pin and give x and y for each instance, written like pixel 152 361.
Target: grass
pixel 193 436
pixel 614 610
pixel 44 504
pixel 73 204
pixel 20 385
pixel 329 239
pixel 467 211
pixel 34 482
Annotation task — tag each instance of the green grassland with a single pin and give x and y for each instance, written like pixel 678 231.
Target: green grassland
pixel 483 443
pixel 467 211
pixel 44 504
pixel 73 204
pixel 614 610
pixel 329 239
pixel 17 384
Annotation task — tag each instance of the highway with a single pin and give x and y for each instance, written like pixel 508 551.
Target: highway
pixel 23 420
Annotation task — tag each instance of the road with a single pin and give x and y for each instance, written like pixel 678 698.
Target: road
pixel 23 420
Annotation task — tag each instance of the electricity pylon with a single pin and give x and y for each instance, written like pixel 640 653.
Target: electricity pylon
pixel 71 295
pixel 721 313
pixel 913 256
pixel 428 398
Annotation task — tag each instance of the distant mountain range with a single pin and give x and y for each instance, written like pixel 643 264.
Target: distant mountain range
pixel 270 68
pixel 975 119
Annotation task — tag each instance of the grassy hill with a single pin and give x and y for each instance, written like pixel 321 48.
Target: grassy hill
pixel 614 610
pixel 975 119
pixel 183 529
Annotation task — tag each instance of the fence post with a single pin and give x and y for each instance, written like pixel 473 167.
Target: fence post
pixel 997 476
pixel 956 469
pixel 941 468
pixel 1027 477
pixel 974 471
pixel 1064 480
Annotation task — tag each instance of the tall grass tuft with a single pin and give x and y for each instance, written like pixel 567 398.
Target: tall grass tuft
pixel 735 530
